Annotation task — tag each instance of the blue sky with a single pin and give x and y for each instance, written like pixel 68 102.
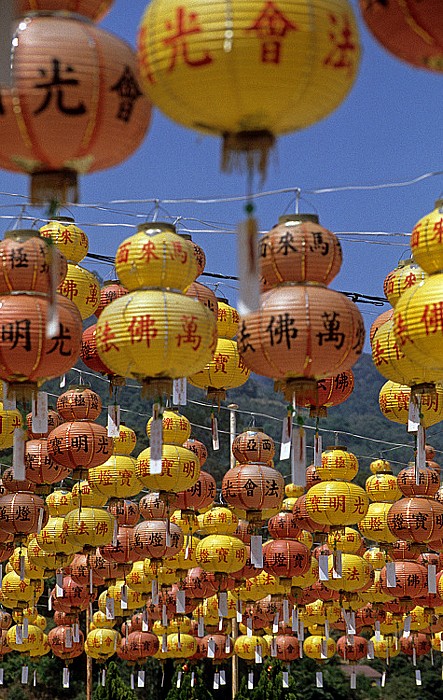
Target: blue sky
pixel 388 130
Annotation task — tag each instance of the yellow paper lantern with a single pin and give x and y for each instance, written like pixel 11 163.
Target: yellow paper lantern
pixel 116 478
pixel 21 563
pixel 165 575
pixel 18 592
pixel 89 527
pixel 356 574
pixel 190 59
pixel 180 469
pixel 137 579
pixel 126 441
pixel 426 240
pixel 383 487
pixel 52 537
pixel 218 519
pixel 176 427
pixel 69 238
pixel 346 540
pixel 318 612
pixel 336 503
pixel 9 421
pixel 181 646
pixel 309 577
pixel 156 256
pixel 99 619
pixel 221 554
pixel 102 643
pixel 227 319
pixel 337 463
pixel 28 644
pixel 120 591
pixel 84 494
pixel 226 370
pixel 380 465
pixel 81 287
pixel 59 502
pixel 403 277
pixel 394 402
pixel 421 618
pixel 246 647
pixel 376 557
pixel 48 561
pixel 294 491
pixel 385 647
pixel 187 522
pixel 319 647
pixel 374 526
pixel 186 557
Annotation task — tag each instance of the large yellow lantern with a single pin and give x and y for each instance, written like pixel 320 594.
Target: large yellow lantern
pixel 382 485
pixel 403 277
pixel 81 287
pixel 176 427
pixel 155 333
pixel 52 537
pixel 69 238
pixel 356 574
pixel 394 402
pixel 245 647
pixel 346 540
pixel 221 553
pixel 116 478
pixel 180 469
pixel 319 647
pixel 336 503
pixel 252 61
pixel 218 519
pixel 426 240
pixel 374 526
pixel 29 644
pixel 89 527
pixel 102 643
pixel 385 647
pixel 337 463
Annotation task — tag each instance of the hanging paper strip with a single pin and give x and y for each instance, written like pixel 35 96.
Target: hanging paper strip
pixel 156 441
pixel 248 299
pixel 298 456
pixel 318 449
pixel 113 420
pixel 179 391
pixel 214 432
pixel 39 414
pixel 286 436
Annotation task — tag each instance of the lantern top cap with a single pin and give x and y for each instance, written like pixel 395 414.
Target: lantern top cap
pixel 438 203
pixel 186 236
pixel 297 218
pixel 152 227
pixel 62 219
pixel 106 283
pixel 223 300
pixel 21 234
pixel 337 447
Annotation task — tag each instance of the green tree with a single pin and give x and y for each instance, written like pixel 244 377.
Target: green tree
pixel 115 687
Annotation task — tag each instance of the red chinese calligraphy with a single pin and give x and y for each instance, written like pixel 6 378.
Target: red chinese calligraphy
pixel 271 25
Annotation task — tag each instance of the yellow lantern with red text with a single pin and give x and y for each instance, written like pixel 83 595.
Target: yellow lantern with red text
pixel 394 402
pixel 221 553
pixel 319 647
pixel 336 503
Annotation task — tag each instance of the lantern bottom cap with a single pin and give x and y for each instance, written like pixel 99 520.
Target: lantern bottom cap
pixel 154 387
pixel 423 388
pixel 298 388
pixel 54 186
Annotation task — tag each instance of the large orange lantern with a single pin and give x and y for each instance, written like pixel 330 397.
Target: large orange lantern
pixel 94 9
pixel 254 488
pixel 409 29
pixel 155 333
pixel 262 46
pixel 99 103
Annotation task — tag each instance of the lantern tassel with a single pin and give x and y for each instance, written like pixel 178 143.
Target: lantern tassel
pixel 247 151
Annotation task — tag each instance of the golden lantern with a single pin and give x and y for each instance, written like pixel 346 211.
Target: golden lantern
pixel 181 646
pixel 319 647
pixel 337 463
pixel 180 469
pixel 394 402
pixel 376 557
pixel 21 563
pixel 187 522
pixel 218 519
pixel 120 590
pixel 59 502
pixel 138 580
pixel 226 370
pixel 356 574
pixel 32 642
pixel 81 287
pixel 382 486
pixel 52 537
pixel 176 427
pixel 155 327
pixel 221 553
pixel 115 478
pixel 336 503
pixel 374 526
pixel 10 419
pixel 426 240
pixel 18 592
pixel 89 527
pixel 389 357
pixel 84 494
pixel 262 47
pixel 347 540
pixel 70 240
pixel 253 487
pixel 385 647
pixel 245 647
pixel 403 277
pixel 48 561
pixel 375 593
pixel 102 643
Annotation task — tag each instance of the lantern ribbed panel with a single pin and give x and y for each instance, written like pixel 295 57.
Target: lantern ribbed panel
pixel 9 421
pixel 81 287
pixel 337 464
pixel 416 519
pixel 147 333
pixel 150 539
pixel 226 369
pixel 418 324
pixel 426 240
pixel 52 537
pixel 91 527
pixel 20 512
pixel 356 574
pixel 286 558
pixel 374 526
pixel 200 495
pixel 67 237
pixel 245 646
pixel 336 503
pixel 253 487
pixel 292 49
pixel 103 129
pixel 383 487
pixel 180 469
pixel 403 277
pixel 221 553
pixel 79 444
pixel 411 580
pixel 95 9
pixel 116 478
pixel 32 642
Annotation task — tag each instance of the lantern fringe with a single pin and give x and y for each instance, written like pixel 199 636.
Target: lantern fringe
pixel 153 387
pixel 247 151
pixel 424 388
pixel 51 186
pixel 299 388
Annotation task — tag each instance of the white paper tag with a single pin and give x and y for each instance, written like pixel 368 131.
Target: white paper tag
pixel 65 677
pixel 414 415
pixel 273 648
pixel 258 654
pixel 418 677
pixel 420 459
pixel 49 603
pixel 294 620
pixel 319 679
pixel 249 629
pixel 62 383
pixel 222 676
pixel 9 402
pixel 318 449
pixel 192 679
pixel 223 604
pixel 110 607
pixel 301 631
pixel 180 602
pixel 76 632
pixel 164 616
pixel 239 610
pixel 432 578
pixel 103 677
pixel 286 611
pixel 141 678
pixel 257 551
pixel 201 627
pixel 327 628
pixel 407 626
pixel 211 648
pixel 25 675
pixel 391 578
pixel 370 653
pixel 353 680
pixel 275 623
pixel 285 679
pixel 216 682
pixel 414 656
pixel 383 679
pixel 22 567
pixel 286 438
pixel 19 634
pixel 214 433
pixel 145 625
pixel 18 455
pixel 377 631
pixel 323 649
pixel 40 413
pixel 248 298
pixel 323 571
pixel 113 420
pixel 59 584
pixel 179 391
pixel 164 643
pixel 298 456
pixel 25 628
pixel 154 591
pixel 251 680
pixel 156 444
pixel 132 682
pixel 124 597
pixel 40 520
pixel 68 639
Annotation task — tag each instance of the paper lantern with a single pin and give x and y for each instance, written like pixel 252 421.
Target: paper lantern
pixel 124 511
pixel 286 558
pixel 111 290
pixel 374 526
pixel 253 445
pixel 140 645
pixel 337 463
pixel 225 371
pixel 356 574
pixel 415 645
pixel 319 647
pixel 218 519
pixel 221 553
pixel 79 403
pixel 382 487
pixel 245 647
pixel 403 277
pixel 83 494
pixel 428 481
pixel 409 29
pixel 416 519
pixel 99 103
pixel 330 391
pixel 253 487
pixel 74 599
pixel 394 400
pixel 9 421
pixel 303 519
pixel 116 478
pixel 385 647
pixel 379 321
pixel 68 238
pixel 48 561
pixel 53 421
pixel 336 503
pixel 28 262
pixel 262 48
pixel 62 645
pixel 79 444
pixel 418 324
pixel 101 643
pixel 82 287
pixel 153 539
pixel 200 495
pixel 29 643
pixel 284 525
pixel 346 540
pixel 18 592
pixel 94 10
pixel 198 448
pixel 20 513
pixel 176 427
pixel 89 527
pixel 179 471
pixel 411 580
pixel 426 240
pixel 199 291
pixel 40 468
